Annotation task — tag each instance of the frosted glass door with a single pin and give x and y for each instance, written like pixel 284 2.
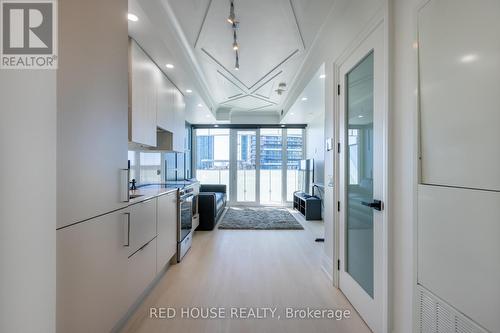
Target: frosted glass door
pixel 359 216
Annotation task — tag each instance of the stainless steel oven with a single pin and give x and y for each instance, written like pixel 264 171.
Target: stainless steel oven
pixel 185 223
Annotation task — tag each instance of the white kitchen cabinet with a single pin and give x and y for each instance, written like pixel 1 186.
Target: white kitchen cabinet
pixel 165 109
pixel 171 113
pixel 144 85
pixel 167 229
pixel 180 121
pixel 91 274
pixel 141 271
pixel 92 108
pixel 142 224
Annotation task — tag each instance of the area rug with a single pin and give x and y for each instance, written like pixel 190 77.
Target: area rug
pixel 259 218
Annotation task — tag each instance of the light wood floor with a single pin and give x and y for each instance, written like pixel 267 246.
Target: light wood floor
pixel 233 268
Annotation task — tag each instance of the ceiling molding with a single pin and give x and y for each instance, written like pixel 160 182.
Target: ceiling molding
pixel 269 80
pixel 202 24
pixel 260 108
pixel 234 83
pixel 223 67
pixel 234 96
pixel 299 32
pixel 275 67
pixel 188 53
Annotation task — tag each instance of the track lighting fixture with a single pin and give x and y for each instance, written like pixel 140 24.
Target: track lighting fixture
pixel 237 65
pixel 232 18
pixel 235 41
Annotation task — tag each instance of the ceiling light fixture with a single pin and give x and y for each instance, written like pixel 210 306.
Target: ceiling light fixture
pixel 282 125
pixel 170 66
pixel 235 41
pixel 189 91
pixel 234 25
pixel 291 113
pixel 216 125
pixel 304 99
pixel 237 65
pixel 281 88
pixel 322 76
pixel 232 18
pixel 200 105
pixel 132 17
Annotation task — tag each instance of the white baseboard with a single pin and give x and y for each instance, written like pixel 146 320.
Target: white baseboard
pixel 327 266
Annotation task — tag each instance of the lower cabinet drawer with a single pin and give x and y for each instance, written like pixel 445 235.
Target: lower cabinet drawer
pixel 142 224
pixel 141 271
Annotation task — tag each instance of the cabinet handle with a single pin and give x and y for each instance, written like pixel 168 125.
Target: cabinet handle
pixel 126 234
pixel 124 191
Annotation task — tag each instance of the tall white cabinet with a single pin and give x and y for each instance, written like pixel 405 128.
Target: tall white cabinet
pixel 92 110
pixel 459 190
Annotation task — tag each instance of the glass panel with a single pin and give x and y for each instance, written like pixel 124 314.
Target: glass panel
pixel 294 146
pixel 359 218
pixel 212 156
pixel 246 165
pixel 270 165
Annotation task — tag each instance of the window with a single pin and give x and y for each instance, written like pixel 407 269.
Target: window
pixel 212 156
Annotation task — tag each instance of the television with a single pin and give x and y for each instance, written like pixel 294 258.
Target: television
pixel 306 176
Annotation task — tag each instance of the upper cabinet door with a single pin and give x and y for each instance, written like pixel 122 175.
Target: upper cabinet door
pixel 459 66
pixel 180 122
pixel 92 110
pixel 165 105
pixel 145 84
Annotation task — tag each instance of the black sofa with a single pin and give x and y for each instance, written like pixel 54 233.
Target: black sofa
pixel 211 203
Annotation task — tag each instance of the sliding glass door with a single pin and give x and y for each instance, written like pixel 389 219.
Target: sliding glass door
pixel 271 166
pixel 212 156
pixel 246 166
pixel 258 165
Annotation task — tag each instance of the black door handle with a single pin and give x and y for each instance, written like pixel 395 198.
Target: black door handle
pixel 376 204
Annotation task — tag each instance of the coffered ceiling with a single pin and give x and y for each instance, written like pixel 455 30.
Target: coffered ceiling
pixel 273 35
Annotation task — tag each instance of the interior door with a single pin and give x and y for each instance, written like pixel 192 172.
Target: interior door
pixel 362 126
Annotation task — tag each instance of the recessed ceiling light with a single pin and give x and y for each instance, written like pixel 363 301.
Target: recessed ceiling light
pixel 468 58
pixel 189 91
pixel 132 17
pixel 282 125
pixel 200 105
pixel 207 116
pixel 304 99
pixel 216 125
pixel 360 116
pixel 291 113
pixel 169 66
pixel 322 76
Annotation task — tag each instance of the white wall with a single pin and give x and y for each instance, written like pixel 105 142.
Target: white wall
pixel 315 144
pixel 403 151
pixel 27 200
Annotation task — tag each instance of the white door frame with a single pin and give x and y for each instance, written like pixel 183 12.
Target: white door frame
pixel 379 22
